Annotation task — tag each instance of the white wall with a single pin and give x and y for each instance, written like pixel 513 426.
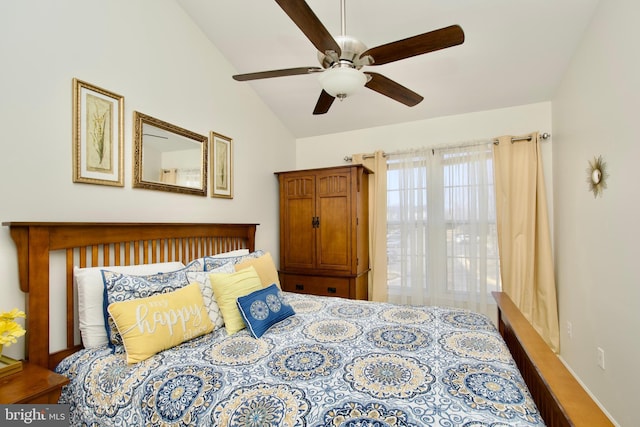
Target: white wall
pixel 595 112
pixel 152 54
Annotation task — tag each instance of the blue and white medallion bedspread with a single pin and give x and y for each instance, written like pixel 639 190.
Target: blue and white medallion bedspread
pixel 336 362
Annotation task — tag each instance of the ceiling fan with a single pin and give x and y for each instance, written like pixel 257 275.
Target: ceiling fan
pixel 342 58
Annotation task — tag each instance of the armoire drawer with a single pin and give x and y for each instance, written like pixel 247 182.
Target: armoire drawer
pixel 316 285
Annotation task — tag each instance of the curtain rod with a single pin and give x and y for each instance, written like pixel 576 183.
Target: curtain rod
pixel 543 136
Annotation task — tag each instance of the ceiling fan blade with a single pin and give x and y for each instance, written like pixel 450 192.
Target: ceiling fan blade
pixel 277 73
pixel 324 103
pixel 416 45
pixel 387 87
pixel 302 15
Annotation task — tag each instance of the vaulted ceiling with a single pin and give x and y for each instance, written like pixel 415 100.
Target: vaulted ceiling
pixel 515 52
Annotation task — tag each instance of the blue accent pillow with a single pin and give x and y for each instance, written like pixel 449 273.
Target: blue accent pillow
pixel 263 308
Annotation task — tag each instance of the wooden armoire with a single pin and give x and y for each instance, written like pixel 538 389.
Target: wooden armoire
pixel 324 231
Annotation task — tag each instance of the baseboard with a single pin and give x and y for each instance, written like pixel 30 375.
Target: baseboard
pixel 595 399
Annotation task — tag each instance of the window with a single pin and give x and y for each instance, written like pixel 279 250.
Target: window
pixel 441 227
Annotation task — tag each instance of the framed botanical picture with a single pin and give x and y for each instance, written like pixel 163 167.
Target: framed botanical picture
pixel 221 166
pixel 98 135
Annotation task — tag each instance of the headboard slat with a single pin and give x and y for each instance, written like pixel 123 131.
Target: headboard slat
pixel 94 255
pixel 136 252
pixel 83 257
pixel 108 244
pixel 116 253
pixel 71 313
pixel 127 253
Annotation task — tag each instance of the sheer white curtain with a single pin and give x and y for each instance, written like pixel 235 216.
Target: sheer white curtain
pixel 441 228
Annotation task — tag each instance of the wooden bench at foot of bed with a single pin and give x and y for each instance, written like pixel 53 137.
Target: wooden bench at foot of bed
pixel 561 400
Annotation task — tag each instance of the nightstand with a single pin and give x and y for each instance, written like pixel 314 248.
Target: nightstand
pixel 33 384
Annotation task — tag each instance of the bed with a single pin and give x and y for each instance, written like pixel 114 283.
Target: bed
pixel 334 362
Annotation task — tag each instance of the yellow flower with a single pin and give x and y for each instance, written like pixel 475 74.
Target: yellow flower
pixel 11 315
pixel 10 330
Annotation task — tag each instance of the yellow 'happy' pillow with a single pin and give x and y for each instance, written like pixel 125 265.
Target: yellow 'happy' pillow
pixel 150 325
pixel 227 288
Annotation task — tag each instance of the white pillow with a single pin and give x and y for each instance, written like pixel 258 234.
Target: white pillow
pixel 203 280
pixel 90 288
pixel 237 252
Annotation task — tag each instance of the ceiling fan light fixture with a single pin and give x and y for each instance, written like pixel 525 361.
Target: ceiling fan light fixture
pixel 341 82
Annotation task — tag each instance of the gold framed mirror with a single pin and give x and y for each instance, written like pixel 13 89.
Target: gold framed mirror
pixel 167 157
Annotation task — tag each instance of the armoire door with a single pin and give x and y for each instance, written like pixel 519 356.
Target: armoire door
pixel 333 210
pixel 297 221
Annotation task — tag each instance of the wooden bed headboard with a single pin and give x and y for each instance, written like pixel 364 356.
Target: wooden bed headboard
pixel 103 244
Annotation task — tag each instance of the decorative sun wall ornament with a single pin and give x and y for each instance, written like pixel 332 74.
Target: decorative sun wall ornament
pixel 597 176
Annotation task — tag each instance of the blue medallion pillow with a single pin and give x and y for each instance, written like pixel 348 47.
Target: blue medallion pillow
pixel 263 308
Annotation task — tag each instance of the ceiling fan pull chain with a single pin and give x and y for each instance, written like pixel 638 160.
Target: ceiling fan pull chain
pixel 343 17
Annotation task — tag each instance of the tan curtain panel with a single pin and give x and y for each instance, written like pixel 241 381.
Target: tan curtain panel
pixel 526 259
pixel 377 223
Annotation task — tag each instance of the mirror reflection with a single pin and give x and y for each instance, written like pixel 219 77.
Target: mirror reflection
pixel 169 158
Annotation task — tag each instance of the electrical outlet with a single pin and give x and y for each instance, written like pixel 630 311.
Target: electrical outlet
pixel 570 329
pixel 601 358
